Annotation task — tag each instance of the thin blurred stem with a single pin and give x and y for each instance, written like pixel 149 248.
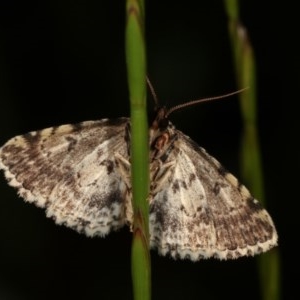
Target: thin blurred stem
pixel 251 165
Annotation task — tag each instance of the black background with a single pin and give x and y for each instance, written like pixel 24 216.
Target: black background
pixel 63 62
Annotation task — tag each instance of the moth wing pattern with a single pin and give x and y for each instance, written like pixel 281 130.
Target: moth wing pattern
pixel 81 174
pixel 71 171
pixel 201 211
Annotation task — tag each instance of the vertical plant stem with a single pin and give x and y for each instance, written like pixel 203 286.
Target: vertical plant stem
pixel 250 151
pixel 136 70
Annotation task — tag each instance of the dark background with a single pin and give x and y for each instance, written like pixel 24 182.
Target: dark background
pixel 63 62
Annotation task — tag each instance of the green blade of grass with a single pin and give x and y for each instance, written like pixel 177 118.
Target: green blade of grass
pixel 136 69
pixel 251 165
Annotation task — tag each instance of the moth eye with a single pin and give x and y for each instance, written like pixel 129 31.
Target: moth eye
pixel 161 141
pixel 163 124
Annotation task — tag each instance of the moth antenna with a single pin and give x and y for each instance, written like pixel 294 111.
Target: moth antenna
pixel 153 93
pixel 193 102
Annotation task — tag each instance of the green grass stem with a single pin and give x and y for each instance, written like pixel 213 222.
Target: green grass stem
pixel 136 70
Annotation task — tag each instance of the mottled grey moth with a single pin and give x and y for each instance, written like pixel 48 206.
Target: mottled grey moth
pixel 81 175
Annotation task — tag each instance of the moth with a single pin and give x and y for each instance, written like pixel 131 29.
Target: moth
pixel 81 175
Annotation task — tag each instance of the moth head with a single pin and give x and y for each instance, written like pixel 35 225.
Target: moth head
pixel 161 121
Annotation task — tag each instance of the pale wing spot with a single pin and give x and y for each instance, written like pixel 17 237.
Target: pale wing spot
pixel 46 132
pixel 244 191
pixel 232 179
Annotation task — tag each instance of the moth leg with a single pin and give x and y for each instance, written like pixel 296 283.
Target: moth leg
pixel 160 172
pixel 123 166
